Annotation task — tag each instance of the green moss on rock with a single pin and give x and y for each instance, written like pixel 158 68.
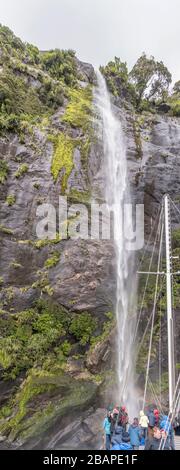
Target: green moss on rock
pixel 53 260
pixel 22 170
pixel 26 421
pixel 4 169
pixel 62 159
pixel 79 109
pixel 6 230
pixel 11 199
pixel 79 196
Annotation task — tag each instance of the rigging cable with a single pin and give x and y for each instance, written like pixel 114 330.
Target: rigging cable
pixel 148 275
pixel 155 394
pixel 149 320
pixel 153 312
pixel 160 344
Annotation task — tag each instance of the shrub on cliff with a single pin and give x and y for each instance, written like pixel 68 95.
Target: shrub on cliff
pixel 83 327
pixel 10 45
pixel 61 65
pixel 116 74
pixel 174 100
pixel 4 169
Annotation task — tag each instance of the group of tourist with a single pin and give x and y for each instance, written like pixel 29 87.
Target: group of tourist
pixel 151 431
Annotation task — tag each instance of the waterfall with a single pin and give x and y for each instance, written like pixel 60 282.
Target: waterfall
pixel 116 194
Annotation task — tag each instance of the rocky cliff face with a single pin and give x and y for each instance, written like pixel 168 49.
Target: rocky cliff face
pixel 57 345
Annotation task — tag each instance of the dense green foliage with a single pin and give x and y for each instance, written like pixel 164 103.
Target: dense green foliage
pixel 116 74
pixel 83 327
pixel 61 65
pixel 32 84
pixel 42 335
pixel 146 86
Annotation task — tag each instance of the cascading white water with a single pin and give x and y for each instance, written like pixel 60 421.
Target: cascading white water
pixel 116 193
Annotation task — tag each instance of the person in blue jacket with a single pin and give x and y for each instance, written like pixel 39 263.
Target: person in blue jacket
pixel 135 434
pixel 107 430
pixel 165 424
pixel 117 434
pixel 152 419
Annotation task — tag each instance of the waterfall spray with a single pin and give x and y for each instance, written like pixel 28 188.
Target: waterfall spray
pixel 116 193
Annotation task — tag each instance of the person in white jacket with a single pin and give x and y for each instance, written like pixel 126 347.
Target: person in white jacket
pixel 143 422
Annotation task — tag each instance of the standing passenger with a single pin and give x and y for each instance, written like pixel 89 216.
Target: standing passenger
pixel 135 434
pixel 107 429
pixel 144 420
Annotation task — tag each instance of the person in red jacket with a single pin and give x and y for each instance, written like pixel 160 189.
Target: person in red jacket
pixel 123 417
pixel 157 417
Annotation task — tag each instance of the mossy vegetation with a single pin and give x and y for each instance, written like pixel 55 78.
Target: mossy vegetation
pixel 83 327
pixel 36 185
pixel 27 337
pixel 26 420
pixel 53 260
pixel 174 101
pixel 78 114
pixel 43 337
pixel 62 159
pixel 79 109
pixel 22 170
pixel 11 199
pixel 108 326
pixel 15 265
pixel 6 230
pixel 32 84
pixel 39 341
pixel 79 196
pixel 41 243
pixel 35 384
pixel 4 169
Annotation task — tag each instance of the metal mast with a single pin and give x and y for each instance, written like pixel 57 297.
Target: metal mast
pixel 171 365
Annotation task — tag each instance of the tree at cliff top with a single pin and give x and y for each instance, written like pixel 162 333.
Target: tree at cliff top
pixel 116 74
pixel 150 78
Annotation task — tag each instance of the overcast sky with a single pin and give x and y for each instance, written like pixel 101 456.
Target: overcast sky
pixel 100 29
